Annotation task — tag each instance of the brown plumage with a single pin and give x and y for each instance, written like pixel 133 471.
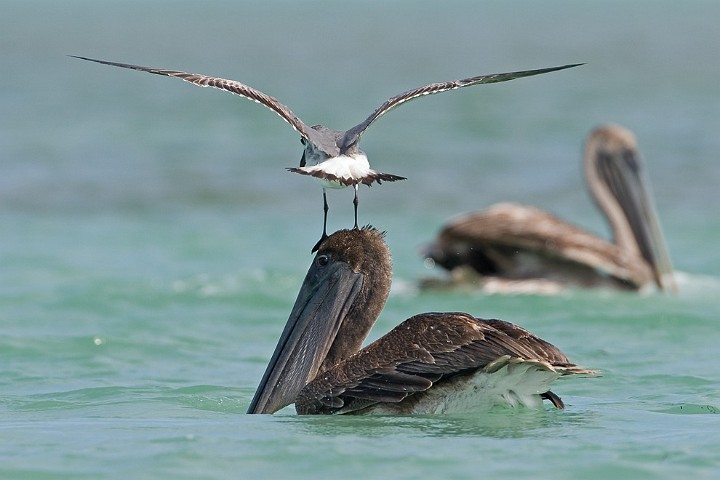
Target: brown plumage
pixel 430 363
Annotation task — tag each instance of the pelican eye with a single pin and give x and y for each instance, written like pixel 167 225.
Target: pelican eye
pixel 323 260
pixel 303 141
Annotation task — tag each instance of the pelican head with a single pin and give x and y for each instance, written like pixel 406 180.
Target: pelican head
pixel 342 295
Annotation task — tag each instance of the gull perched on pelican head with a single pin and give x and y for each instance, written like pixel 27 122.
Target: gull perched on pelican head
pixel 332 156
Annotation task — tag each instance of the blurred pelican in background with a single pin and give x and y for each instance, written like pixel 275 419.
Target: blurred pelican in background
pixel 513 248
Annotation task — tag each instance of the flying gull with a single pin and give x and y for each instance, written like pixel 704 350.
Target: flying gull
pixel 332 156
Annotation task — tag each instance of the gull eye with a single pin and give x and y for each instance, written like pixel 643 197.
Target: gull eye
pixel 323 260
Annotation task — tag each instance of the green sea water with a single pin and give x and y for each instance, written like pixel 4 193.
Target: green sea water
pixel 153 244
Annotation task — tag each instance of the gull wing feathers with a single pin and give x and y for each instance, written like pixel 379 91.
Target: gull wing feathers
pixel 233 87
pixel 352 136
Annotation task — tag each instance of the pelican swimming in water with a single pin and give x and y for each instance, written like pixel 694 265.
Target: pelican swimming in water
pixel 334 156
pixel 430 363
pixel 515 248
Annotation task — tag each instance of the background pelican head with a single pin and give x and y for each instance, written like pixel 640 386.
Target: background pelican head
pixel 616 179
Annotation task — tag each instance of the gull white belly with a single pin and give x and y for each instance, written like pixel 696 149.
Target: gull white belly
pixel 340 171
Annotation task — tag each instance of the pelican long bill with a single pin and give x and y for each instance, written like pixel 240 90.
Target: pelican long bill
pixel 320 308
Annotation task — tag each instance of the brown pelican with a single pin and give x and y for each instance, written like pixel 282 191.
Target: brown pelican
pixel 336 158
pixel 517 248
pixel 430 363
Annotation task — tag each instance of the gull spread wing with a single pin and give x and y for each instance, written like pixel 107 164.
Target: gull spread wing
pixel 352 136
pixel 233 87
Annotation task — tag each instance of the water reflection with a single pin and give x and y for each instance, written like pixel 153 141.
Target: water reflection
pixel 495 423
